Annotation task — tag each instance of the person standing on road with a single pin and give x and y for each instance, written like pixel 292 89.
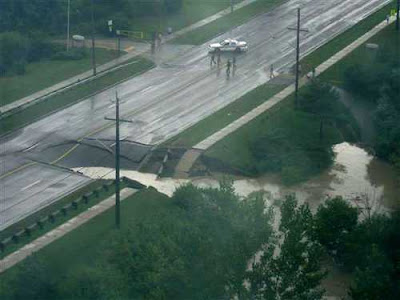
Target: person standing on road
pixel 212 62
pixel 159 40
pixel 271 72
pixel 218 58
pixel 233 66
pixel 228 67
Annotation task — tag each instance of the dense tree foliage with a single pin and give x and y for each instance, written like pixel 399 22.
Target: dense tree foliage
pixel 51 16
pixel 200 249
pixel 38 15
pixel 291 270
pixel 368 248
pixel 320 99
pixel 16 50
pixel 334 221
pixel 377 82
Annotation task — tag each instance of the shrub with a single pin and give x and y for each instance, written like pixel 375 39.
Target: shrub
pixel 72 54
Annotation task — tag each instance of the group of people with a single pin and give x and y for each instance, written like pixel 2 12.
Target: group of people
pixel 229 64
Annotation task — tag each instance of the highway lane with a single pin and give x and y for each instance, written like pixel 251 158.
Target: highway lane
pixel 173 96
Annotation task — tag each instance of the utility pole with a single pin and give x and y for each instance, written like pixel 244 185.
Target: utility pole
pixel 119 46
pixel 296 93
pixel 398 16
pixel 68 24
pixel 231 6
pixel 117 160
pixel 117 164
pixel 93 44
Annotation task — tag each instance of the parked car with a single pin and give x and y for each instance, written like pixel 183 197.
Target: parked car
pixel 228 45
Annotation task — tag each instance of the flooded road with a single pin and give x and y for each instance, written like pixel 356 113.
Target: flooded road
pixel 354 175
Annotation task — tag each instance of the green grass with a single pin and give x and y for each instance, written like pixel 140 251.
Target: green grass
pixel 294 136
pixel 191 12
pixel 238 17
pixel 48 226
pixel 388 40
pixel 73 95
pixel 80 247
pixel 341 41
pixel 43 74
pixel 224 116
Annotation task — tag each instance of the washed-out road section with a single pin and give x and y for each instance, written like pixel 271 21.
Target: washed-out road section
pixel 180 91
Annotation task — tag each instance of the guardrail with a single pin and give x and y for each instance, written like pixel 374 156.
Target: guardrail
pixel 63 212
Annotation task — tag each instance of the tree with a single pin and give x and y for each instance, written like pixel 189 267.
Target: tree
pixel 318 98
pixel 373 278
pixel 31 281
pixel 334 220
pixel 14 49
pixel 290 270
pixel 200 250
pixel 23 16
pixel 386 120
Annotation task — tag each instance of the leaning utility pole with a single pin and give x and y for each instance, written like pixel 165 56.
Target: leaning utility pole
pixel 296 92
pixel 398 16
pixel 93 33
pixel 117 164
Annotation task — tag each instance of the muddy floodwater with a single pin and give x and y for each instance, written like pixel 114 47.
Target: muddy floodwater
pixel 355 174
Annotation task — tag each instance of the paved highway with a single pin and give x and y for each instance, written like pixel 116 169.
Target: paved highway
pixel 176 94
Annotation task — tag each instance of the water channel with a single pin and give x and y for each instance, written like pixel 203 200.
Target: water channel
pixel 355 174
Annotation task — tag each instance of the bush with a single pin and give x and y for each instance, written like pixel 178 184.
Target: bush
pixel 40 47
pixel 72 54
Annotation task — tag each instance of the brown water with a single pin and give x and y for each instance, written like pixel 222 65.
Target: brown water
pixel 355 174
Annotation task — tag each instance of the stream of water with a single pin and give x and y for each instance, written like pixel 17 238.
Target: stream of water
pixel 354 175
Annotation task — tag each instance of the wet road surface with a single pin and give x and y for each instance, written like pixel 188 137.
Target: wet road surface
pixel 179 92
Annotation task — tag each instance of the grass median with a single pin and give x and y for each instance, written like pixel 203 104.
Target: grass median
pixel 204 33
pixel 224 116
pixel 75 94
pixel 45 73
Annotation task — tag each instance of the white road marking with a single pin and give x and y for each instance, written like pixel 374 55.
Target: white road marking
pixel 31 185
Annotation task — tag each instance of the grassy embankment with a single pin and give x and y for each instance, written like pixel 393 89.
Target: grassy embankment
pixel 74 94
pixel 221 25
pixel 80 247
pixel 294 143
pixel 388 40
pixel 60 219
